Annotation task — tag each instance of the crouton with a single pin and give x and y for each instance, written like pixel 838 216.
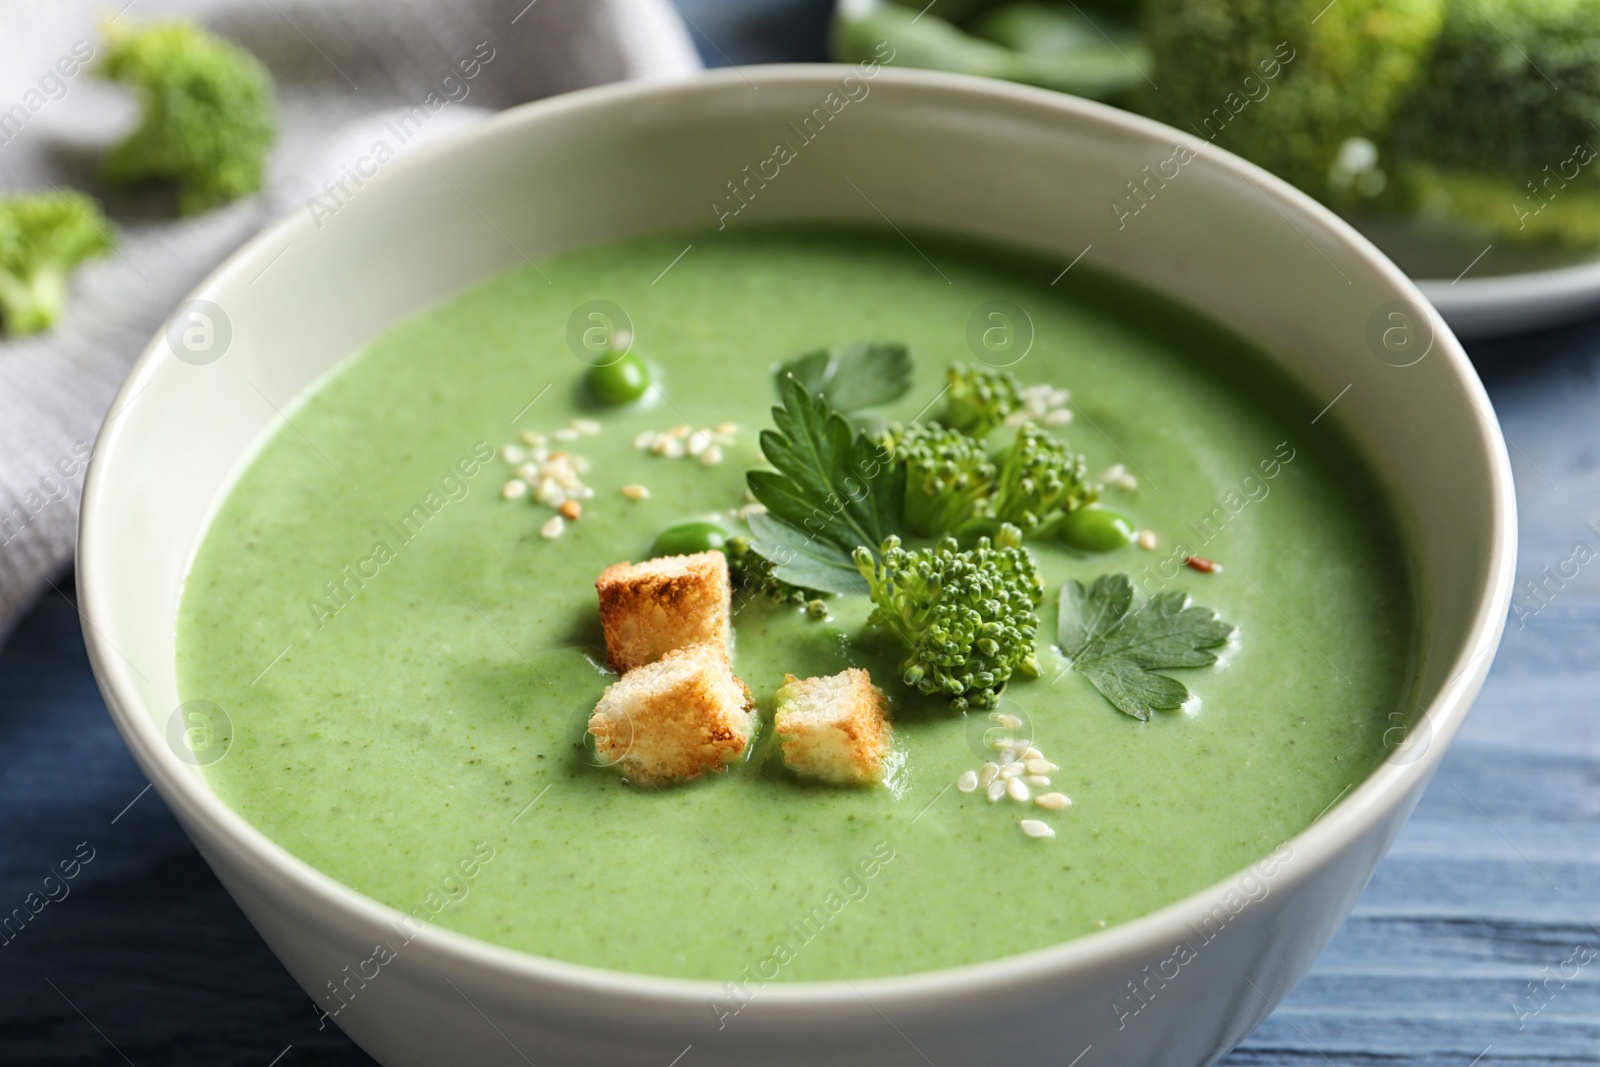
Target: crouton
pixel 834 728
pixel 676 718
pixel 650 608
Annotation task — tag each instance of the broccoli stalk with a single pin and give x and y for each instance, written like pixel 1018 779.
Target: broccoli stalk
pixel 43 238
pixel 949 477
pixel 977 399
pixel 207 113
pixel 968 616
pixel 1040 481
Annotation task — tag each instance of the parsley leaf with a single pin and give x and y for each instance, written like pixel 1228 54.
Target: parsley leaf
pixel 863 375
pixel 1119 647
pixel 832 490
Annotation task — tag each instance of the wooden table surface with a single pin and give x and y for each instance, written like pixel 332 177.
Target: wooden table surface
pixel 1478 940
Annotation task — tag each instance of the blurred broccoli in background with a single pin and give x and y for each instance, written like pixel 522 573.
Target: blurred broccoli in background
pixel 1090 48
pixel 1503 125
pixel 43 238
pixel 207 116
pixel 1335 75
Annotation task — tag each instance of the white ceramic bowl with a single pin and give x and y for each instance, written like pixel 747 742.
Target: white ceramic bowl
pixel 1000 161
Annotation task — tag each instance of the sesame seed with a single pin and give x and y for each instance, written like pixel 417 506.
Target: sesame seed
pixel 751 509
pixel 1058 417
pixel 997 789
pixel 635 491
pixel 1041 766
pixel 1053 801
pixel 1033 753
pixel 1037 780
pixel 1128 482
pixel 987 774
pixel 583 492
pixel 550 493
pixel 586 427
pixel 515 489
pixel 1010 722
pixel 728 427
pixel 680 432
pixel 723 438
pixel 711 457
pixel 1035 828
pixel 1017 790
pixel 1203 565
pixel 554 528
pixel 1113 472
pixel 1147 540
pixel 1011 770
pixel 566 433
pixel 644 439
pixel 967 782
pixel 514 454
pixel 571 509
pixel 528 472
pixel 1006 756
pixel 672 448
pixel 698 442
pixel 532 437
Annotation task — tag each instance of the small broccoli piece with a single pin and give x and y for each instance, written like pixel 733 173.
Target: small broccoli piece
pixel 979 398
pixel 1041 479
pixel 1288 83
pixel 968 616
pixel 949 477
pixel 1486 139
pixel 753 574
pixel 207 112
pixel 43 238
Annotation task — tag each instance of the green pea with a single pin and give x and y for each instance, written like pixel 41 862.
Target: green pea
pixel 687 538
pixel 1095 529
pixel 621 382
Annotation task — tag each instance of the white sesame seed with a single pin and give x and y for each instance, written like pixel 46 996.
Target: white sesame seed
pixel 1017 789
pixel 583 492
pixel 751 509
pixel 997 789
pixel 1036 780
pixel 1033 753
pixel 566 433
pixel 1058 417
pixel 967 782
pixel 987 774
pixel 728 427
pixel 644 439
pixel 723 438
pixel 680 432
pixel 672 448
pixel 1006 756
pixel 1128 482
pixel 1035 828
pixel 1041 766
pixel 532 437
pixel 514 454
pixel 581 464
pixel 1147 540
pixel 711 457
pixel 635 491
pixel 698 442
pixel 553 529
pixel 1113 472
pixel 550 493
pixel 586 427
pixel 1010 722
pixel 514 489
pixel 1011 770
pixel 528 472
pixel 1053 801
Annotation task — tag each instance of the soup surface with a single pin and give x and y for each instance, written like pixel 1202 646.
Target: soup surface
pixel 407 664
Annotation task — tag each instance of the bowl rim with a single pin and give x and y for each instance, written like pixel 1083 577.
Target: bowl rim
pixel 298 886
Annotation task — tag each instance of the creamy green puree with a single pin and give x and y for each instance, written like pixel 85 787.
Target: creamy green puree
pixel 394 730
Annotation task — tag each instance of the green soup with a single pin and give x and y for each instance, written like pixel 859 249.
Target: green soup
pixel 408 664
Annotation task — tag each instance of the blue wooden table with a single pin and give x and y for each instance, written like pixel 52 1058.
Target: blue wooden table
pixel 1477 942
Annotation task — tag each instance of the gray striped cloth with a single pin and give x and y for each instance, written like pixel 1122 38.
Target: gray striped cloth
pixel 344 68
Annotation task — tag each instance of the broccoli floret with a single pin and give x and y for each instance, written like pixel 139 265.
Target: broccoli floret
pixel 207 112
pixel 1485 137
pixel 979 398
pixel 1288 83
pixel 1041 479
pixel 43 238
pixel 968 616
pixel 949 477
pixel 753 574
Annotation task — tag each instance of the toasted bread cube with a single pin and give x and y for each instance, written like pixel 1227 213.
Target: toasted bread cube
pixel 676 718
pixel 650 608
pixel 834 728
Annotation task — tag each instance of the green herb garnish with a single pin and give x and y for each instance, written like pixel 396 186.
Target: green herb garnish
pixel 863 375
pixel 832 490
pixel 1119 646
